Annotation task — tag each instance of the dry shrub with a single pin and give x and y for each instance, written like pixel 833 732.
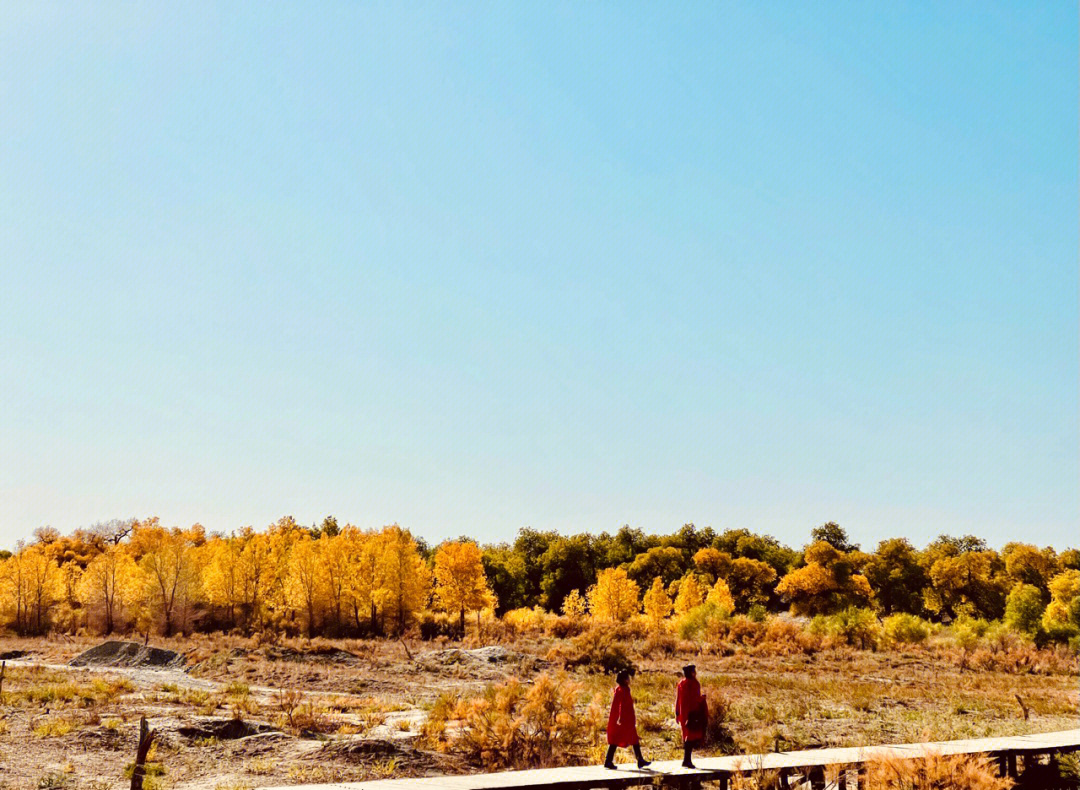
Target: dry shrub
pixel 598 649
pixel 785 638
pixel 436 624
pixel 724 635
pixel 935 772
pixel 565 627
pixel 1020 659
pixel 660 643
pixel 511 727
pixel 630 630
pixel 433 729
pixel 717 734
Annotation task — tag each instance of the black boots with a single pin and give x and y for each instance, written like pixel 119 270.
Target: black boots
pixel 641 761
pixel 609 761
pixel 687 749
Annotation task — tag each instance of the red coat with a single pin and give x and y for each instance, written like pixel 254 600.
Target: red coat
pixel 622 723
pixel 688 698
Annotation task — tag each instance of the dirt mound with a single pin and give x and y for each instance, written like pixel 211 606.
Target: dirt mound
pixel 104 738
pixel 315 655
pixel 481 656
pixel 128 654
pixel 482 662
pixel 364 751
pixel 224 729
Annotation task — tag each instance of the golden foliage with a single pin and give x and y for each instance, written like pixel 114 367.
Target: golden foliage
pixel 690 594
pixel 575 606
pixel 110 586
pixel 614 596
pixel 460 583
pixel 720 597
pixel 657 603
pixel 514 727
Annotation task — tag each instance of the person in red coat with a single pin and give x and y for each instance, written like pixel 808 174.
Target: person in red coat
pixel 622 723
pixel 691 712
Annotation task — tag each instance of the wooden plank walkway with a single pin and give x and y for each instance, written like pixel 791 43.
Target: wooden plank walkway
pixel 718 769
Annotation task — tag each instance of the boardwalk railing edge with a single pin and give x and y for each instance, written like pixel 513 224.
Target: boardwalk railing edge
pixel 718 769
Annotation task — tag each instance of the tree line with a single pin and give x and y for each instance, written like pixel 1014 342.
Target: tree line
pixel 331 580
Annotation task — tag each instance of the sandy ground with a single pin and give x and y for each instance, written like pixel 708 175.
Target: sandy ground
pixel 224 720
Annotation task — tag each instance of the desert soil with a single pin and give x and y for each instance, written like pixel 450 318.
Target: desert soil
pixel 357 708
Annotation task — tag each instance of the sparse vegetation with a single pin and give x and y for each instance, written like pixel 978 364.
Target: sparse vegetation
pixel 948 662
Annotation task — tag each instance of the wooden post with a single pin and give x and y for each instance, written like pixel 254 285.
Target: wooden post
pixel 3 666
pixel 1012 766
pixel 146 738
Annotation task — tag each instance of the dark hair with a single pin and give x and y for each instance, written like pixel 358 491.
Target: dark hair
pixel 623 676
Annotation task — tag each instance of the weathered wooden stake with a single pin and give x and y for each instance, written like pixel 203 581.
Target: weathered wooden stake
pixel 3 666
pixel 1023 708
pixel 146 738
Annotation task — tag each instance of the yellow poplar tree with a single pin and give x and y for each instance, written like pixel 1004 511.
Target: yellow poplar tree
pixel 404 579
pixel 31 584
pixel 690 594
pixel 657 603
pixel 574 605
pixel 460 583
pixel 109 586
pixel 615 596
pixel 304 585
pixel 255 577
pixel 364 579
pixel 221 575
pixel 720 597
pixel 1064 589
pixel 337 557
pixel 170 579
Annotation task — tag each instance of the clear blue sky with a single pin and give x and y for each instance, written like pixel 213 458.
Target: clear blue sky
pixel 470 267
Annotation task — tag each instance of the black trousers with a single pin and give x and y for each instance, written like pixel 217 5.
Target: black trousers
pixel 611 753
pixel 688 749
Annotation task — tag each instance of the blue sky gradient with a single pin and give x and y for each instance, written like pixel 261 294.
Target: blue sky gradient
pixel 470 267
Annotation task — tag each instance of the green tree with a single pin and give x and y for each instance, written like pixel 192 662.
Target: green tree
pixel 506 573
pixel 1024 608
pixel 667 562
pixel 751 582
pixel 835 535
pixel 897 578
pixel 567 564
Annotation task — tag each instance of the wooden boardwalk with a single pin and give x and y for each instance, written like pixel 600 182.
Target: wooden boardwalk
pixel 719 769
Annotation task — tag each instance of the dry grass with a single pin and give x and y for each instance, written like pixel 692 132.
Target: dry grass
pixel 770 684
pixel 515 727
pixel 935 772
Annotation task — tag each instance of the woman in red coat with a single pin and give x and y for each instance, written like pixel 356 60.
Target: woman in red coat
pixel 691 712
pixel 622 723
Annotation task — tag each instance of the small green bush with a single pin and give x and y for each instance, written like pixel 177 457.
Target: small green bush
pixel 1024 608
pixel 906 629
pixel 700 619
pixel 858 628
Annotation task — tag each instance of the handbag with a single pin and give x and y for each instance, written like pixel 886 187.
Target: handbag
pixel 698 718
